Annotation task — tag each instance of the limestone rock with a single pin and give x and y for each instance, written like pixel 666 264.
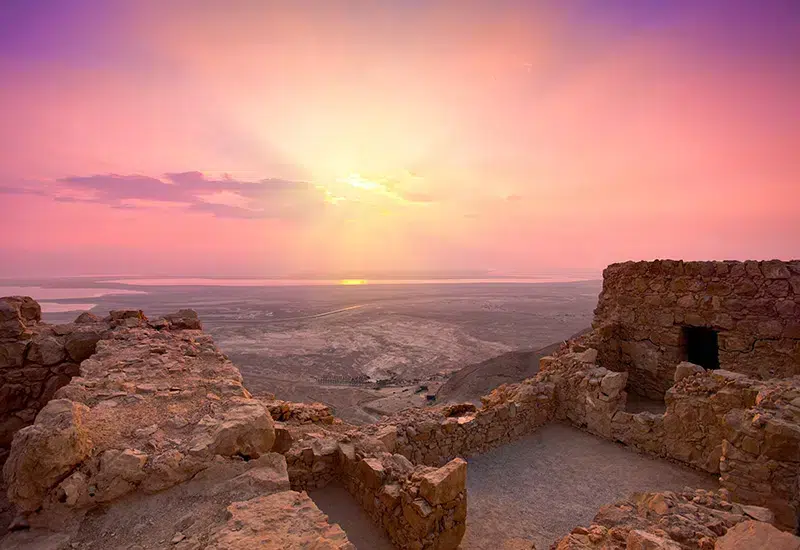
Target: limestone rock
pixel 246 430
pixel 642 540
pixel 86 318
pixel 685 368
pixel 283 439
pixel 758 513
pixel 184 319
pixel 42 454
pixel 371 472
pixel 756 535
pixel 82 343
pixel 445 483
pixel 286 520
pixel 46 350
pixel 12 354
pixel 16 313
pixel 613 383
pixel 388 436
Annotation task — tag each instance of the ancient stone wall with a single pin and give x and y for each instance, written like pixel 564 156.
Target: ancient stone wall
pixel 36 359
pixel 436 435
pixel 419 507
pixel 754 307
pixel 719 421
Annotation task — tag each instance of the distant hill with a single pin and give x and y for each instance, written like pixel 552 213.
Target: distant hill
pixel 473 381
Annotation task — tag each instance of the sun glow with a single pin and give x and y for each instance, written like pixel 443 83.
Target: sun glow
pixel 353 282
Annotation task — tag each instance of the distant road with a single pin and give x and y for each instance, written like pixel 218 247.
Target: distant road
pixel 212 320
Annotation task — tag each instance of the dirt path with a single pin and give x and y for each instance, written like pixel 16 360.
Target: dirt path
pixel 542 486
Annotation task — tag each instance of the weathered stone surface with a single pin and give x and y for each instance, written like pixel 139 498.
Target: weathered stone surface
pixel 371 472
pixel 750 308
pixel 184 319
pixel 756 535
pixel 286 520
pixel 388 436
pixel 82 343
pixel 445 483
pixel 46 350
pixel 86 318
pixel 12 353
pixel 245 430
pixel 662 521
pixel 642 540
pixel 685 368
pixel 42 454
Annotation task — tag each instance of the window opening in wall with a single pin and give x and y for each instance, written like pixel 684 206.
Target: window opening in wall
pixel 701 347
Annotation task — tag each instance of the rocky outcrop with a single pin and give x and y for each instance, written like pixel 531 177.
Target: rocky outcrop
pixel 699 519
pixel 150 409
pixel 753 306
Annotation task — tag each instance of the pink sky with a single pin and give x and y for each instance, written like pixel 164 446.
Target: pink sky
pixel 263 138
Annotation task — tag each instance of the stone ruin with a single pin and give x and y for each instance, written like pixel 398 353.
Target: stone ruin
pixel 151 412
pixel 738 316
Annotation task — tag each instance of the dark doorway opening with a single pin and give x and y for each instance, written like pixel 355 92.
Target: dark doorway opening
pixel 701 347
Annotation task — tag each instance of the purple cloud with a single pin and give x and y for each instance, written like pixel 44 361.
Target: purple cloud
pixel 224 197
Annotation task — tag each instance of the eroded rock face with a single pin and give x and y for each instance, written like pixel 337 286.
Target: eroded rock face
pixel 150 409
pixel 245 430
pixel 44 453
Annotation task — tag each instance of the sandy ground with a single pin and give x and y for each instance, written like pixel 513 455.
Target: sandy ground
pixel 543 485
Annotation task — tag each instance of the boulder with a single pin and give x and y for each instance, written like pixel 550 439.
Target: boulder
pixel 445 483
pixel 756 535
pixel 46 350
pixel 16 313
pixel 283 439
pixel 388 436
pixel 44 453
pixel 12 354
pixel 126 318
pixel 371 472
pixel 685 368
pixel 11 324
pixel 758 513
pixel 86 318
pixel 245 430
pixel 82 343
pixel 184 319
pixel 613 383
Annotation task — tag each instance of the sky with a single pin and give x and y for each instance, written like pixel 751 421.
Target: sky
pixel 259 138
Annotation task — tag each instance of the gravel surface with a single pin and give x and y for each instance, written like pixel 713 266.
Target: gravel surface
pixel 543 485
